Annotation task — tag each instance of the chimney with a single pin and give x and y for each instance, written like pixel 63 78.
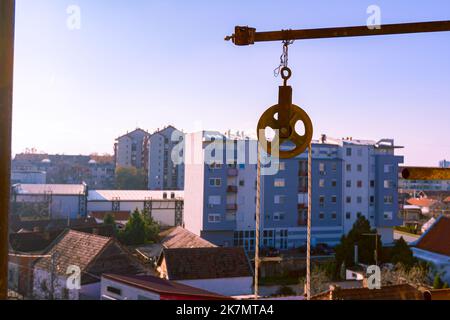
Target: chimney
pixel 334 292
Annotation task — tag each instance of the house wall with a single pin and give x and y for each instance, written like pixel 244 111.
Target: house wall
pixel 127 292
pixel 224 286
pixel 42 287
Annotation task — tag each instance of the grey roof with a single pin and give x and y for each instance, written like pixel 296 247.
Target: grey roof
pixel 56 189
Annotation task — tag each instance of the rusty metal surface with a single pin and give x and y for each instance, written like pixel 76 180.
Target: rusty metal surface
pixel 421 173
pixel 246 35
pixel 282 118
pixel 6 83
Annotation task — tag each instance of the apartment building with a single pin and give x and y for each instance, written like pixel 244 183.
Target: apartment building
pixel 130 148
pixel 349 178
pixel 163 172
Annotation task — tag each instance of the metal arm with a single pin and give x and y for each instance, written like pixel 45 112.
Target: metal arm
pixel 244 36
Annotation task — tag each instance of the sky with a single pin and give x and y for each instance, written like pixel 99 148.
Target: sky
pixel 152 63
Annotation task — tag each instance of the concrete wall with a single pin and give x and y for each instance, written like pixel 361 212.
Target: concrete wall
pixel 127 292
pixel 224 286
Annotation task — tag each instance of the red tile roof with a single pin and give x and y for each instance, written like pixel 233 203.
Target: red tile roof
pixel 437 239
pixel 74 248
pixel 206 263
pixel 422 202
pixel 118 215
pixel 164 287
pixel 395 292
pixel 179 237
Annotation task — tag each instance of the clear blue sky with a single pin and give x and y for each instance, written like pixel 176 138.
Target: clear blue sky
pixel 152 63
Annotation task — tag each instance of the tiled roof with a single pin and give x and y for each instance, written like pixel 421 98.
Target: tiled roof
pixel 423 202
pixel 162 286
pixel 55 224
pixel 133 195
pixel 74 248
pixel 206 263
pixel 395 292
pixel 179 237
pixel 55 189
pixel 118 215
pixel 437 238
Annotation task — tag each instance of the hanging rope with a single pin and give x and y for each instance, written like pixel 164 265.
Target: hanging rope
pixel 308 236
pixel 284 58
pixel 258 199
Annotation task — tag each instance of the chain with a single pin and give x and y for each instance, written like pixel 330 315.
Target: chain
pixel 284 58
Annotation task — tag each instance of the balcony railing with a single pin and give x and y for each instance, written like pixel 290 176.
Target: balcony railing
pixel 232 189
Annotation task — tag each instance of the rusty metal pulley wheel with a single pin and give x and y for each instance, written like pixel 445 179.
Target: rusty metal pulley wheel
pixel 282 118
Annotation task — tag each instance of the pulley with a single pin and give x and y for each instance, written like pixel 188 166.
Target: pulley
pixel 282 119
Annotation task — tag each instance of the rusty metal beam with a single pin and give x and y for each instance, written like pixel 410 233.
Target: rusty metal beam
pixel 7 9
pixel 421 173
pixel 244 36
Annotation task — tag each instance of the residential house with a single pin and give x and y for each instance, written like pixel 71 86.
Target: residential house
pixel 120 287
pixel 225 271
pixel 78 255
pixel 434 247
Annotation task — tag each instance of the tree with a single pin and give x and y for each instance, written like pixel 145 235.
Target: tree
pixel 358 235
pixel 437 283
pixel 416 275
pixel 320 280
pixel 131 179
pixel 110 221
pixel 401 253
pixel 140 229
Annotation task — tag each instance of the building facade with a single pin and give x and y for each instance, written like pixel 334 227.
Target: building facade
pixel 350 178
pixel 130 148
pixel 163 172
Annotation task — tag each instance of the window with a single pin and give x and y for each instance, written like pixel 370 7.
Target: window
pixel 348 199
pixel 388 184
pixel 277 216
pixel 165 195
pixel 213 218
pixel 348 167
pixel 282 166
pixel 215 182
pixel 359 199
pixel 348 215
pixel 348 183
pixel 372 183
pixel 322 183
pixel 348 152
pixel 321 216
pixel 359 152
pixel 388 215
pixel 334 183
pixel 114 290
pixel 359 184
pixel 215 200
pixel 372 199
pixel 359 168
pixel 333 199
pixel 333 215
pixel 334 166
pixel 172 195
pixel 321 201
pixel 388 200
pixel 388 168
pixel 241 183
pixel 279 183
pixel 280 199
pixel 321 168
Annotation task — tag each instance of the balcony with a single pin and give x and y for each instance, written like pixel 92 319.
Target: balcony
pixel 302 173
pixel 232 189
pixel 232 172
pixel 302 189
pixel 232 207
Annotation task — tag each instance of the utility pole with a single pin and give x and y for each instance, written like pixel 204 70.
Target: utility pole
pixel 376 245
pixel 7 9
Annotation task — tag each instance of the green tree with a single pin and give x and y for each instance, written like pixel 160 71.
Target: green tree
pixel 140 229
pixel 358 235
pixel 402 253
pixel 110 221
pixel 131 179
pixel 437 283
